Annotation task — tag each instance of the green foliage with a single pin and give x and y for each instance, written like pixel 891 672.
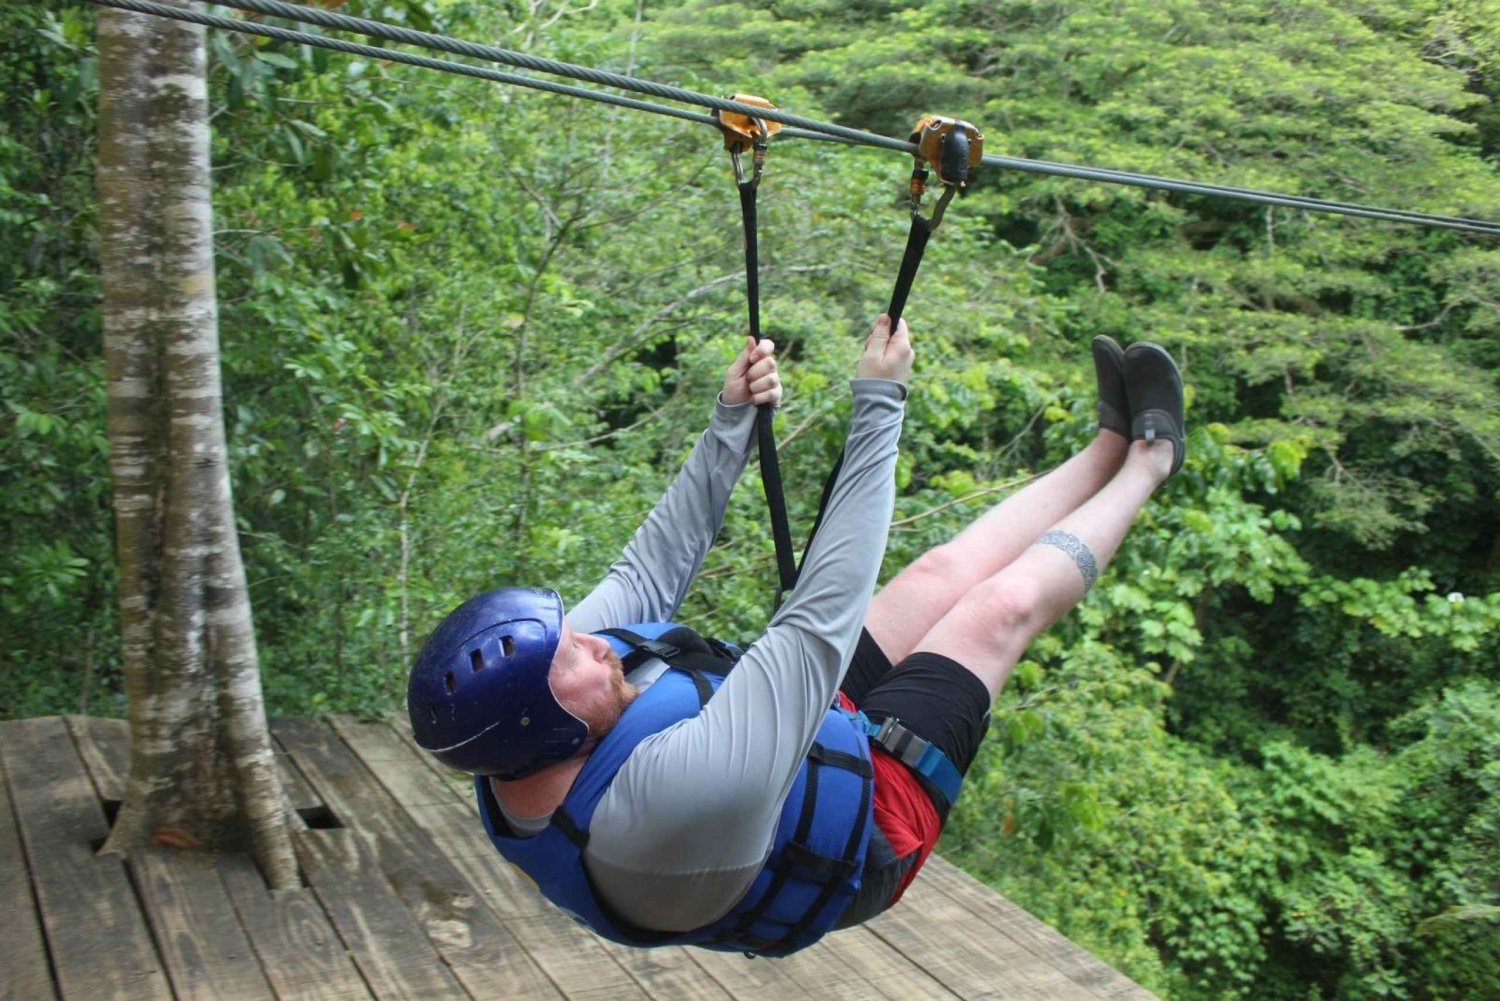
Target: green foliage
pixel 469 333
pixel 56 556
pixel 1384 863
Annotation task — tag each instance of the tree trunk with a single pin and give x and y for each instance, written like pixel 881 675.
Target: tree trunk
pixel 201 770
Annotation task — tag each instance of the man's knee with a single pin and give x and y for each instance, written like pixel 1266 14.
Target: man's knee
pixel 940 567
pixel 1006 606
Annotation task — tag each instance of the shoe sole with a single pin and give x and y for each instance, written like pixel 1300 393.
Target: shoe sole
pixel 1111 418
pixel 1152 423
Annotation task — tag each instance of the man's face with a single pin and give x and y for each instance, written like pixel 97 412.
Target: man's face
pixel 589 681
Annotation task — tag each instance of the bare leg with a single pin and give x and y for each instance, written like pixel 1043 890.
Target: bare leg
pixel 991 626
pixel 920 595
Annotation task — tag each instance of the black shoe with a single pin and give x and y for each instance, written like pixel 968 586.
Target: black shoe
pixel 1153 388
pixel 1109 369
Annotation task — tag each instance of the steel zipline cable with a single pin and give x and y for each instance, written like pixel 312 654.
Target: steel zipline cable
pixel 798 127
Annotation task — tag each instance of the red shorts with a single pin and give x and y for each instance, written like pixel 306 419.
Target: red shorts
pixel 904 811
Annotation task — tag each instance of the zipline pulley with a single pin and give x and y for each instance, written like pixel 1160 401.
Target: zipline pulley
pixel 744 132
pixel 949 147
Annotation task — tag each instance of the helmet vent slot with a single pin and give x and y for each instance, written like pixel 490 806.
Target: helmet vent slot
pixel 432 713
pixel 476 660
pixel 451 681
pixel 508 645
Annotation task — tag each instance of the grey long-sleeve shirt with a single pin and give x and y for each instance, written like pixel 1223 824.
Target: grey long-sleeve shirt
pixel 689 819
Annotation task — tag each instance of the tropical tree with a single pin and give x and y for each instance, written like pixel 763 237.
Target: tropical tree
pixel 202 771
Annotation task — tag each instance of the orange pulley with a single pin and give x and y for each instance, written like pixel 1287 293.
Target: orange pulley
pixel 746 132
pixel 951 147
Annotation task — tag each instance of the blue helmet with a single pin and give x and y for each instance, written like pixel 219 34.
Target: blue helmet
pixel 479 698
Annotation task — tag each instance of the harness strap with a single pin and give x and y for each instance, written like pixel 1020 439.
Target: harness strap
pixel 856 835
pixel 681 648
pixel 570 830
pixel 783 872
pixel 795 856
pixel 917 753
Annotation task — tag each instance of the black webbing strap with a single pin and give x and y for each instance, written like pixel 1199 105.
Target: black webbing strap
pixel 911 259
pixel 570 830
pixel 642 649
pixel 683 649
pixel 770 466
pixel 958 148
pixel 839 759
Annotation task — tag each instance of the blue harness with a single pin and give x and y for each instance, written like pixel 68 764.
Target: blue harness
pixel 818 852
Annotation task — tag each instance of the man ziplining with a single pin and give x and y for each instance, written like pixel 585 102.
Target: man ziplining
pixel 712 798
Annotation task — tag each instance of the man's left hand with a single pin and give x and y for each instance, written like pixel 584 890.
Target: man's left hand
pixel 753 378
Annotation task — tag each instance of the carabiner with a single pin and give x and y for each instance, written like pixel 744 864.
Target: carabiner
pixel 742 132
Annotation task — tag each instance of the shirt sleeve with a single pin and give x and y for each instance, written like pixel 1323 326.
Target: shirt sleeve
pixel 689 819
pixel 651 578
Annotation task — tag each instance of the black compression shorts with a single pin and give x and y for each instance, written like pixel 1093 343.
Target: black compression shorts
pixel 933 696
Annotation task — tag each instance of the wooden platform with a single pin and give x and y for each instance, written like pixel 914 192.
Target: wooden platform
pixel 406 899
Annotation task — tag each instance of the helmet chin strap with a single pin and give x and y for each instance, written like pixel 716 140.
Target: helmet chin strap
pixel 563 705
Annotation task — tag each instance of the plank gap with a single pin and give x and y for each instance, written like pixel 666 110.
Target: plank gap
pixel 320 818
pixel 132 879
pixel 111 808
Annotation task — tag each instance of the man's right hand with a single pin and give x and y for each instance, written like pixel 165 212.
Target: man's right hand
pixel 887 355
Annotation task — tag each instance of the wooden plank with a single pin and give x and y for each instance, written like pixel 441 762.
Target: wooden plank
pixel 375 926
pixel 98 940
pixel 482 952
pixel 968 956
pixel 576 959
pixel 303 797
pixel 206 951
pixel 1041 939
pixel 813 972
pixel 669 973
pixel 447 812
pixel 23 952
pixel 299 951
pixel 888 973
pixel 105 747
pixel 442 803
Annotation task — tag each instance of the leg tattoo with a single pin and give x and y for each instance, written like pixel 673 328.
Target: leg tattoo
pixel 1080 554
